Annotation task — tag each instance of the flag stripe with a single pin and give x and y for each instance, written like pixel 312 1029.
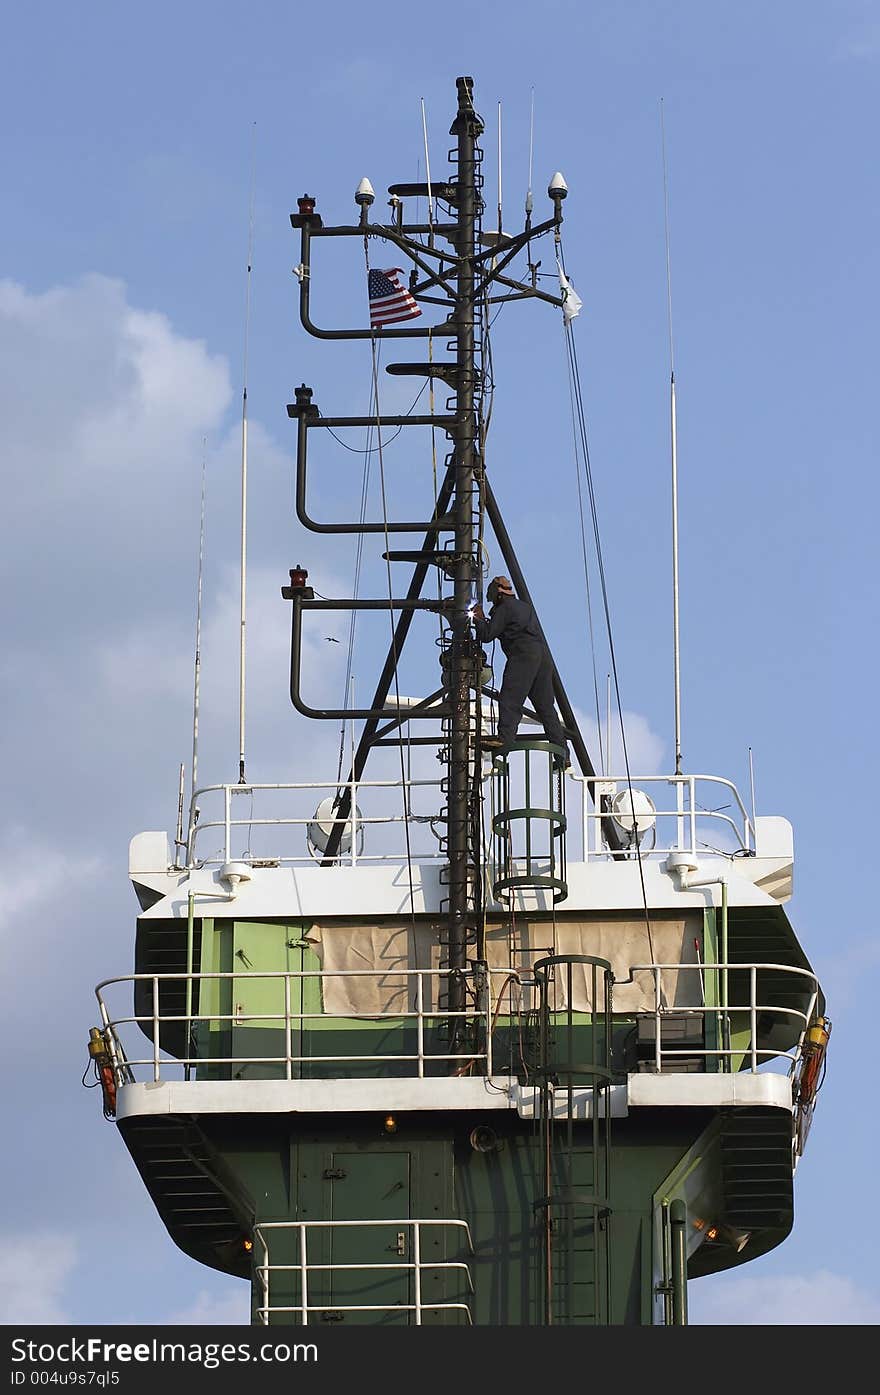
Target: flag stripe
pixel 389 300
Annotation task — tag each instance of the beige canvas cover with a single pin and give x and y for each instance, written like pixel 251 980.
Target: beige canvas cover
pixel 371 967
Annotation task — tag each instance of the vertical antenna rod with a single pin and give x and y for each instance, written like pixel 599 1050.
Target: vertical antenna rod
pixel 499 169
pixel 427 165
pixel 243 621
pixel 531 153
pixel 198 656
pixel 676 647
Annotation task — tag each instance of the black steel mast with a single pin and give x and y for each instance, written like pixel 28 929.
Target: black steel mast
pixel 467 127
pixel 460 279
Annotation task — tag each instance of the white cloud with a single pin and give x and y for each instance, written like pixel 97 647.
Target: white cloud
pixel 231 1309
pixel 34 1272
pixel 821 1299
pixel 36 872
pixel 644 748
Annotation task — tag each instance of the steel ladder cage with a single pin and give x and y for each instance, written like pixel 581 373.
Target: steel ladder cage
pixel 506 821
pixel 557 1071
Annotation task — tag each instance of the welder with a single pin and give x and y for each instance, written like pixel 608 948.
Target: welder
pixel 528 672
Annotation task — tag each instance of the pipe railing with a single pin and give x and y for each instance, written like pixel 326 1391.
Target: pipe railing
pixel 501 1002
pixel 303 1268
pixel 687 818
pixel 729 1016
pixel 286 1020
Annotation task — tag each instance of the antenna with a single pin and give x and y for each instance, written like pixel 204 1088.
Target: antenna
pixel 499 169
pixel 676 646
pixel 427 165
pixel 247 322
pixel 608 765
pixel 197 668
pixel 531 154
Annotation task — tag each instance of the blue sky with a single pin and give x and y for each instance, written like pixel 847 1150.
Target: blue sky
pixel 125 176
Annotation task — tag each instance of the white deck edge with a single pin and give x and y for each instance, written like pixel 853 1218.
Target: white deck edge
pixel 374 1096
pixel 646 1090
pixel 383 1096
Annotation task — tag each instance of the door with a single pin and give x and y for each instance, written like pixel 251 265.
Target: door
pixel 368 1186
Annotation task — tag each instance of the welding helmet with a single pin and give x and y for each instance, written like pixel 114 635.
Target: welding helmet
pixel 499 585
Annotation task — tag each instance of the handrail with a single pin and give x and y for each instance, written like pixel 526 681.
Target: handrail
pixel 686 814
pixel 483 1019
pixel 725 1012
pixel 303 1268
pixel 150 1023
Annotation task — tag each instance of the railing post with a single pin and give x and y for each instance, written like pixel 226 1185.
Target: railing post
pixel 678 1227
pixel 303 1271
pixel 657 1046
pixel 753 1015
pixel 417 1260
pixel 288 1027
pixel 420 1021
pixel 156 1075
pixel 190 917
pixel 227 822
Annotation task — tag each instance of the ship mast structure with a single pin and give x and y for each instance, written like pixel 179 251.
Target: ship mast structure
pixel 487 1082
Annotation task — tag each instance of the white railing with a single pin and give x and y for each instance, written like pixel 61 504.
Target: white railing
pixel 303 1268
pixel 126 1032
pixel 684 820
pixel 238 833
pixel 503 996
pixel 690 817
pixel 730 1018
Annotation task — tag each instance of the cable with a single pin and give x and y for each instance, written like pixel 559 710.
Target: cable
pixel 403 782
pixel 356 450
pixel 588 471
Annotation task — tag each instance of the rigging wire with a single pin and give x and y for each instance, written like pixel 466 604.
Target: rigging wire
pixel 577 464
pixel 403 780
pixel 571 350
pixel 359 450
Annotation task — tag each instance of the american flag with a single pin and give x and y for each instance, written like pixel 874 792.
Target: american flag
pixel 389 300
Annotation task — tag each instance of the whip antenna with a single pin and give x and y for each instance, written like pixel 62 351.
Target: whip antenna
pixel 531 153
pixel 499 169
pixel 676 647
pixel 247 322
pixel 427 165
pixel 197 668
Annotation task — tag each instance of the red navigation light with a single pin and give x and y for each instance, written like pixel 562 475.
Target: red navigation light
pixel 306 204
pixel 298 576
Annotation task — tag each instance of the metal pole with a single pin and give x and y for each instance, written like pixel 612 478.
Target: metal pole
pixel 190 899
pixel 678 1227
pixel 467 126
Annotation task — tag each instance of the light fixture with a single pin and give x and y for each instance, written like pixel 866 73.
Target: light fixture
pixel 390 1124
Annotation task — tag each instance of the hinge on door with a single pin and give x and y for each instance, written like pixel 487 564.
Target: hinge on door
pixel 334 1174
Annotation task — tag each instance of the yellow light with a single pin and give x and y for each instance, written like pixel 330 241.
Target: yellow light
pixel 390 1124
pixel 712 1233
pixel 247 1245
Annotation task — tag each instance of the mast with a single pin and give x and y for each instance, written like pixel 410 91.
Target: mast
pixel 467 126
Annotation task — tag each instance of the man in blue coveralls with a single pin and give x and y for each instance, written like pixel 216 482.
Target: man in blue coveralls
pixel 528 672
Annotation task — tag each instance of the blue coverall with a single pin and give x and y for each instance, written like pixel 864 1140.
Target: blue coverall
pixel 528 672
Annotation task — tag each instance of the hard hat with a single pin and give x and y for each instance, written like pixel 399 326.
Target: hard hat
pixel 496 585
